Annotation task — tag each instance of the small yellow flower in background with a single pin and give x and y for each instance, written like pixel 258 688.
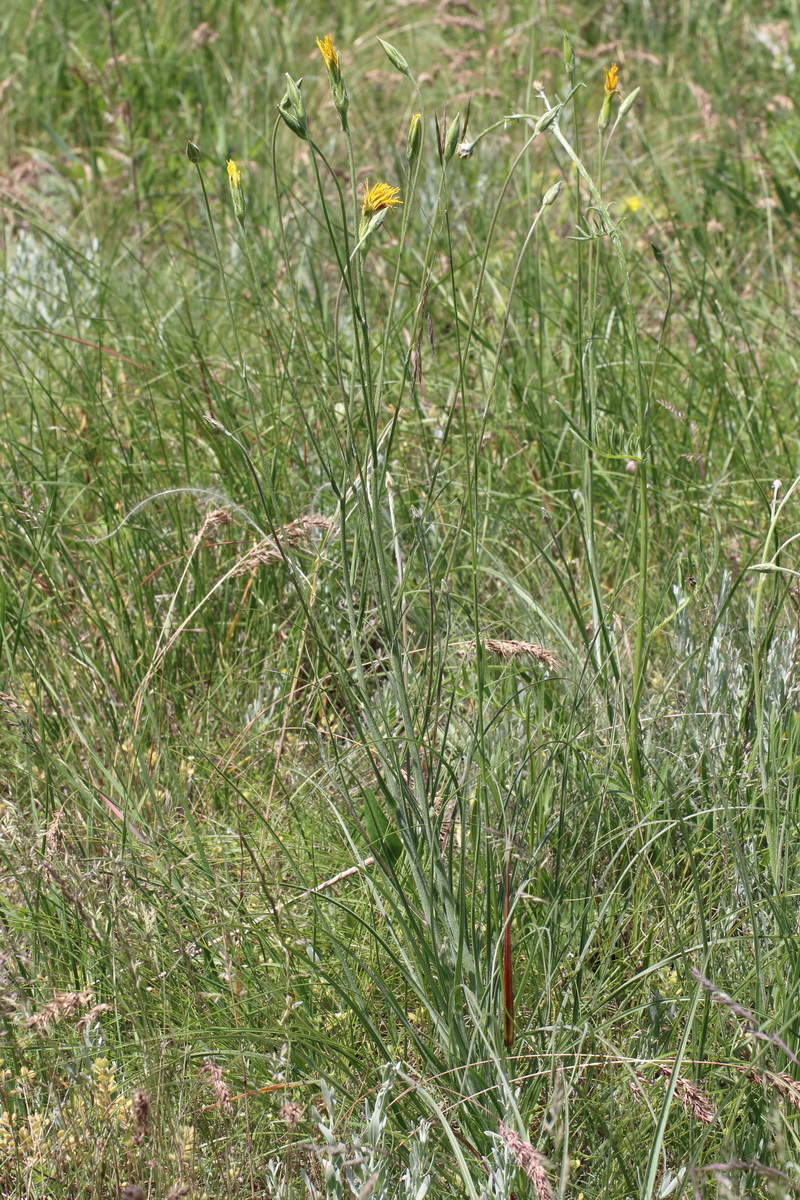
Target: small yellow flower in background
pixel 338 89
pixel 328 52
pixel 378 197
pixel 612 79
pixel 633 203
pixel 237 195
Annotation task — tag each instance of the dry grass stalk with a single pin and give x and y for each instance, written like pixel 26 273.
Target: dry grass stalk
pixel 528 1160
pixel 744 1014
pixel 215 518
pixel 691 1097
pixel 92 1015
pixel 272 550
pixel 218 1085
pixel 511 648
pixel 786 1087
pixel 60 1007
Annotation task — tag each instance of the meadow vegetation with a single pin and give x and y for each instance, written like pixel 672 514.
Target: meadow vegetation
pixel 399 599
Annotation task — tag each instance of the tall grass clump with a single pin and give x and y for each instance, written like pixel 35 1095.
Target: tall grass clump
pixel 399 619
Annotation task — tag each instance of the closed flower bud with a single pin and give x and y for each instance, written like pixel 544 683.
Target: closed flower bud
pixel 296 99
pixel 451 141
pixel 395 58
pixel 193 153
pixel 628 103
pixel 552 194
pixel 569 55
pixel 466 150
pixel 546 119
pixel 414 144
pixel 292 109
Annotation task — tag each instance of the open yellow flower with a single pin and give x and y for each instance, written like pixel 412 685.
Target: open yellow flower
pixel 328 52
pixel 612 79
pixel 378 197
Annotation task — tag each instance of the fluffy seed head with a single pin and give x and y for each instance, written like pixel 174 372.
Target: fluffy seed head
pixel 528 1160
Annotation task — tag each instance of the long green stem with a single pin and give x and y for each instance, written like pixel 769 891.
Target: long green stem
pixel 222 274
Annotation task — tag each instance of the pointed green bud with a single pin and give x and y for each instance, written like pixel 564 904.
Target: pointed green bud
pixel 453 135
pixel 292 109
pixel 414 143
pixel 602 120
pixel 628 103
pixel 569 55
pixel 546 119
pixel 296 99
pixel 552 194
pixel 395 58
pixel 193 153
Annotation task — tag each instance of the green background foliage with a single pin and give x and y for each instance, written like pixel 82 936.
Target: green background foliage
pixel 477 597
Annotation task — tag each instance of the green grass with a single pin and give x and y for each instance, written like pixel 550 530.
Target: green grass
pixel 290 805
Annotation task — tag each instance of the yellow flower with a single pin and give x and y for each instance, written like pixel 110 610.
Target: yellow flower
pixel 377 198
pixel 328 52
pixel 612 79
pixel 633 203
pixel 237 195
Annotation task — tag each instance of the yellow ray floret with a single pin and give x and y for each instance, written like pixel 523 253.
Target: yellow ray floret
pixel 328 52
pixel 612 79
pixel 377 197
pixel 234 174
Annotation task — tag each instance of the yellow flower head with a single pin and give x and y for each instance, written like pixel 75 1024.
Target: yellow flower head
pixel 237 195
pixel 328 52
pixel 612 79
pixel 378 197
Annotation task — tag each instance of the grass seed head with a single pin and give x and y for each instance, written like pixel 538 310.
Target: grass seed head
pixel 529 1161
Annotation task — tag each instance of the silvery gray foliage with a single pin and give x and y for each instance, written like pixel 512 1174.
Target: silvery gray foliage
pixel 360 1167
pixel 501 1170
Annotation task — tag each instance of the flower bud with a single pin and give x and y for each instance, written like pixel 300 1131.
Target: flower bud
pixel 569 56
pixel 292 109
pixel 546 119
pixel 552 194
pixel 395 58
pixel 237 195
pixel 193 153
pixel 414 143
pixel 628 103
pixel 296 99
pixel 451 141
